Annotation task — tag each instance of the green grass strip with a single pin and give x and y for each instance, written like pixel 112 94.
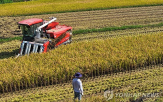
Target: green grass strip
pixel 85 31
pixel 10 39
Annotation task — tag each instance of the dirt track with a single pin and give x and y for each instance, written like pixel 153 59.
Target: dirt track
pixel 90 19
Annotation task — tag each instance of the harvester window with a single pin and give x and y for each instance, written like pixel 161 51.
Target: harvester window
pixel 26 30
pixel 34 27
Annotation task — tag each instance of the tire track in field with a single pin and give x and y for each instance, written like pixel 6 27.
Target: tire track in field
pixel 90 19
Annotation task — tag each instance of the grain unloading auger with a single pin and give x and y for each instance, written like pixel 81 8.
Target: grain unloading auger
pixel 40 36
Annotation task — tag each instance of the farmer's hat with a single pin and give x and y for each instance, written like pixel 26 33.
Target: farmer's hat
pixel 78 75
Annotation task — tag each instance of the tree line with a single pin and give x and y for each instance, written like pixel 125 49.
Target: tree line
pixel 10 1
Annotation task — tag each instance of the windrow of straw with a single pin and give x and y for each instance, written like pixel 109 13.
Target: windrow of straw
pixel 91 58
pixel 51 6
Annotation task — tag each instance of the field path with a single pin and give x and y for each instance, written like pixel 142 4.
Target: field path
pixel 90 19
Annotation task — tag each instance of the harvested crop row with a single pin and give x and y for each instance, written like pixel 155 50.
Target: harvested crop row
pixel 91 58
pixel 91 19
pixel 120 82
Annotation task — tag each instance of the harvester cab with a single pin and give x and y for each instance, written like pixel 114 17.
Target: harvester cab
pixel 40 36
pixel 29 30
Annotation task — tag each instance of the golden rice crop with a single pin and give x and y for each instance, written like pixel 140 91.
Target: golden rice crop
pixel 49 6
pixel 139 80
pixel 93 57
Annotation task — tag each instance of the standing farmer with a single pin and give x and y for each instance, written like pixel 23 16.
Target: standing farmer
pixel 77 86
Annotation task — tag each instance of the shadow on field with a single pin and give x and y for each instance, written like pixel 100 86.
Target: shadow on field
pixel 4 55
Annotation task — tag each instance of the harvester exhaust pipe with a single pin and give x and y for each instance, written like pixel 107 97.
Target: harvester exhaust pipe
pixel 38 30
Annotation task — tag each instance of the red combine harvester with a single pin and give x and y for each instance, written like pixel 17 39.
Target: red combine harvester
pixel 40 36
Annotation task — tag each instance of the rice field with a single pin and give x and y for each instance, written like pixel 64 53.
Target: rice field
pixel 11 48
pixel 51 6
pixel 90 58
pixel 122 60
pixel 90 19
pixel 137 81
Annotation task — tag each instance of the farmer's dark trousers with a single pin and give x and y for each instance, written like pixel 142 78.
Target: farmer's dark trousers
pixel 77 95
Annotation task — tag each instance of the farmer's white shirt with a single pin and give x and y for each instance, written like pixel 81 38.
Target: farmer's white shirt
pixel 77 85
